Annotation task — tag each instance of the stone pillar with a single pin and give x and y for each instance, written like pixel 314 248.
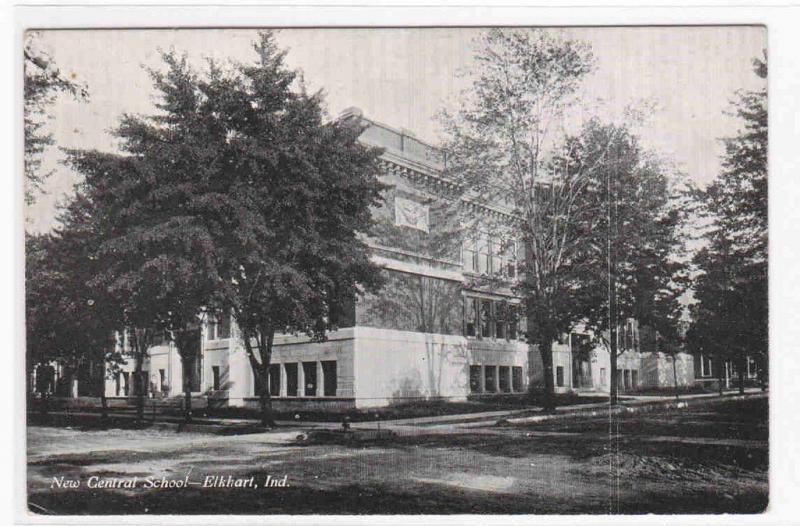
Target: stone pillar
pixel 283 389
pixel 320 380
pixel 73 388
pixel 301 380
pixel 727 375
pixel 240 377
pixel 483 379
pixel 496 378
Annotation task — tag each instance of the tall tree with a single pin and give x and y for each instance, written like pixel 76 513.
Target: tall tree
pixel 43 83
pixel 592 252
pixel 631 264
pixel 237 197
pixel 159 256
pixel 69 319
pixel 731 316
pixel 497 147
pixel 294 209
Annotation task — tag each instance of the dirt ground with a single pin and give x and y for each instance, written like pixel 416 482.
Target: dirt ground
pixel 712 459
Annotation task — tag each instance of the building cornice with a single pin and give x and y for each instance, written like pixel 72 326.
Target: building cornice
pixel 420 174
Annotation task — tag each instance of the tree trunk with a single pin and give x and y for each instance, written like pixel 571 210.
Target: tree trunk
pixel 137 373
pixel 44 406
pixel 265 350
pixel 546 351
pixel 43 403
pixel 187 342
pixel 187 361
pixel 675 374
pixel 101 388
pixel 742 368
pixel 187 402
pixel 613 398
pixel 720 372
pixel 103 399
pixel 260 367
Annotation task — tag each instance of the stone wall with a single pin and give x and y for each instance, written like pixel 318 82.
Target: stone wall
pixel 561 358
pixel 657 370
pixel 332 405
pixel 401 366
pixel 439 232
pixel 415 303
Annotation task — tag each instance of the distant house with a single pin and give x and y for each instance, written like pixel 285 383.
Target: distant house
pixel 709 370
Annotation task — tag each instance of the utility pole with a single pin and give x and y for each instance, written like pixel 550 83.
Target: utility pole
pixel 612 272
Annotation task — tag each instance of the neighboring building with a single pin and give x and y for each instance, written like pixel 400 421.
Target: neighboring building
pixel 583 366
pixel 708 370
pixel 435 331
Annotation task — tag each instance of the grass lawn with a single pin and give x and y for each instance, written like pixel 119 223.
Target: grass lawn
pixel 423 408
pixel 417 409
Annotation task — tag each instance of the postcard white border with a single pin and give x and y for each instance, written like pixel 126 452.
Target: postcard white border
pixel 783 25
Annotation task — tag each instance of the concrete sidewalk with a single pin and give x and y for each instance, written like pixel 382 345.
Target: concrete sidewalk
pixel 461 420
pixel 524 415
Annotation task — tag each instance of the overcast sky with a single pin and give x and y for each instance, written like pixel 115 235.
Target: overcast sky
pixel 404 77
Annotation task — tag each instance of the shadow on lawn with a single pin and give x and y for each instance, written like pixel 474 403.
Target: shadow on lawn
pixel 630 434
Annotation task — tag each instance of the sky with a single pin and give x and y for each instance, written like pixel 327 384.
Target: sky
pixel 405 77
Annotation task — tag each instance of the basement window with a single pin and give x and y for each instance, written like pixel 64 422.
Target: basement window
pixel 516 379
pixel 275 379
pixel 329 377
pixel 505 379
pixel 474 378
pixel 490 379
pixel 310 377
pixel 215 374
pixel 291 379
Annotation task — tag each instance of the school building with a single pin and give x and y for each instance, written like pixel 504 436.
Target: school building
pixel 439 329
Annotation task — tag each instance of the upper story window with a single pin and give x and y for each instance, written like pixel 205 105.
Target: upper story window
pixel 629 333
pixel 159 338
pixel 219 328
pixel 469 255
pixel 488 318
pixel 482 255
pixel 470 317
pixel 484 260
pixel 500 316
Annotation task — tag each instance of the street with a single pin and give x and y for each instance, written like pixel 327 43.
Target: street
pixel 707 458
